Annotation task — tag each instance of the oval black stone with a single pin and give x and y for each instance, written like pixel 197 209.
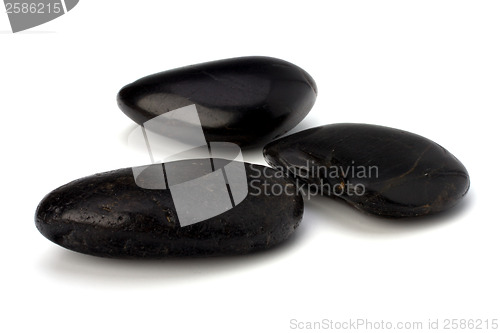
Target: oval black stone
pixel 109 215
pixel 380 170
pixel 248 100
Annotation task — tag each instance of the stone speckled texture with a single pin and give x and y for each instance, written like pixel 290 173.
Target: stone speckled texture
pixel 247 101
pixel 108 215
pixel 409 176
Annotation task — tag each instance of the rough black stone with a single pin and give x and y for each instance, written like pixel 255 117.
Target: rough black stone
pixel 404 174
pixel 248 100
pixel 108 215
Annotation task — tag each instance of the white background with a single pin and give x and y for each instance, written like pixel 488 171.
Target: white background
pixel 429 67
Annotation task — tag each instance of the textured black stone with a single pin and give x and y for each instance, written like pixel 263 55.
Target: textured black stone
pixel 108 215
pixel 248 100
pixel 409 176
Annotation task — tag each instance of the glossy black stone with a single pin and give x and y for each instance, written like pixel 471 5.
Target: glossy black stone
pixel 247 101
pixel 379 170
pixel 108 215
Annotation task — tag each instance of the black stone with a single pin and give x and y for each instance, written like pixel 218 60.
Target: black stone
pixel 246 101
pixel 404 174
pixel 109 215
